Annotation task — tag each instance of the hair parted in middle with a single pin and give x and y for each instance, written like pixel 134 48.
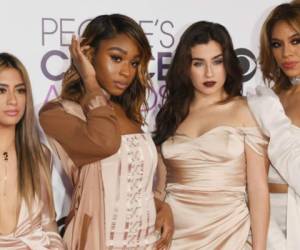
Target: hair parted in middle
pixel 33 159
pixel 289 13
pixel 179 91
pixel 105 27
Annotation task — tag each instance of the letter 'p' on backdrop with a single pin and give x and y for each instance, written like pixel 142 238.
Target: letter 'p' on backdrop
pixel 39 33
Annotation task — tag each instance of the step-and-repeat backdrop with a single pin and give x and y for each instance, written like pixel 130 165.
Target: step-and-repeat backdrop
pixel 39 33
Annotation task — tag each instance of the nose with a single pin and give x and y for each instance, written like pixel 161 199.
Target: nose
pixel 209 70
pixel 287 50
pixel 125 69
pixel 11 99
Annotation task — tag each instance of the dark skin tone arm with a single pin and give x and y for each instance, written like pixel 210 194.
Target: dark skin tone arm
pixel 164 218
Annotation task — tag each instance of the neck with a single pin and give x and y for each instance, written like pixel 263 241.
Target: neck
pixel 7 135
pixel 203 101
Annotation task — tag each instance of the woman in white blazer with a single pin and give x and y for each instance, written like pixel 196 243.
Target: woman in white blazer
pixel 279 117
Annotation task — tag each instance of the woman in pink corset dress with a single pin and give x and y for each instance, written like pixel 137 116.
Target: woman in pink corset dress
pixel 95 127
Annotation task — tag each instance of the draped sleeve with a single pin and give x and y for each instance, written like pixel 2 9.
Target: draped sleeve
pixel 256 140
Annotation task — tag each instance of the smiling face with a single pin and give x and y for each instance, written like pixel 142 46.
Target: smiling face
pixel 12 97
pixel 116 62
pixel 285 44
pixel 207 71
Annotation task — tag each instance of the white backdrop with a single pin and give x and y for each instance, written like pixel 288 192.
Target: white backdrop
pixel 38 32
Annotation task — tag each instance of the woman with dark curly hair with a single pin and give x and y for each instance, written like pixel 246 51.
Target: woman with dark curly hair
pixel 213 151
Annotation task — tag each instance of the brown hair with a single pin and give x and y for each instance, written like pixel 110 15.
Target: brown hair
pixel 32 159
pixel 106 27
pixel 289 13
pixel 179 87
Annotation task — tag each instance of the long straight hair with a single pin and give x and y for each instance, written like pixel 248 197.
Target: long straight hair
pixel 33 161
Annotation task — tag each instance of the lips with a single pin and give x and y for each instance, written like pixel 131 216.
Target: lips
pixel 11 113
pixel 289 65
pixel 121 85
pixel 209 84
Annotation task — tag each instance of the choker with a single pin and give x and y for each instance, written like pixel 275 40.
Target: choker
pixel 295 80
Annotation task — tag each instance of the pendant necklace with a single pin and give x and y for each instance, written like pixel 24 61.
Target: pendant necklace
pixel 4 179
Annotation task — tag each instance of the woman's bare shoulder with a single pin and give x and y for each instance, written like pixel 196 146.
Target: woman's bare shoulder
pixel 243 113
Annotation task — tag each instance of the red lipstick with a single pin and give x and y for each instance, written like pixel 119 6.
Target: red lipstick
pixel 209 84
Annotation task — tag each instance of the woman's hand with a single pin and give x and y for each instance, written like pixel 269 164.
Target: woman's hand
pixel 83 64
pixel 164 225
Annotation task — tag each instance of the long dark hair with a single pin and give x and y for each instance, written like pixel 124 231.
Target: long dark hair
pixel 179 88
pixel 106 27
pixel 33 162
pixel 289 13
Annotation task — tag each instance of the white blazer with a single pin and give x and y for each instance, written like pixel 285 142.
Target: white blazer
pixel 283 152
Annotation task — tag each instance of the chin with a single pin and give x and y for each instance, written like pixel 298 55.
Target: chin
pixel 11 121
pixel 117 92
pixel 7 124
pixel 209 92
pixel 291 73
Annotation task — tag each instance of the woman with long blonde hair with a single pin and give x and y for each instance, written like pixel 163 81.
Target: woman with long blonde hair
pixel 27 216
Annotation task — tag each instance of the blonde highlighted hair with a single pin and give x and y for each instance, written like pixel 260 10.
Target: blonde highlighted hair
pixel 106 27
pixel 33 161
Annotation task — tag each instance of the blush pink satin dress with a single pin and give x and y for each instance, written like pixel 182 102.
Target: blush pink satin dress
pixel 29 233
pixel 206 187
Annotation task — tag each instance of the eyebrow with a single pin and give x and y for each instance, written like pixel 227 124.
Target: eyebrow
pixel 118 49
pixel 122 51
pixel 17 85
pixel 201 59
pixel 290 37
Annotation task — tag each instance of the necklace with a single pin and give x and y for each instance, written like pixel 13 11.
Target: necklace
pixel 4 180
pixel 295 80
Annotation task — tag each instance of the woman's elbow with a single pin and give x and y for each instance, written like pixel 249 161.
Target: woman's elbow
pixel 111 146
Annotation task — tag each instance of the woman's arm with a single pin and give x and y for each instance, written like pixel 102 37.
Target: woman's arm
pixel 84 142
pixel 164 224
pixel 284 146
pixel 99 136
pixel 160 179
pixel 258 195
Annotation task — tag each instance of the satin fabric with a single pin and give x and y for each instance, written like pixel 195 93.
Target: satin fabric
pixel 29 233
pixel 96 186
pixel 206 187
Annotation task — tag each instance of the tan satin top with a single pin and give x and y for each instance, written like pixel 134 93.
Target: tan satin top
pixel 30 233
pixel 206 187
